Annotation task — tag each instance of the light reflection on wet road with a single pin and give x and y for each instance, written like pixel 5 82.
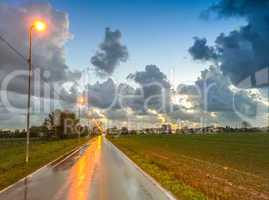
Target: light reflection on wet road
pixel 97 172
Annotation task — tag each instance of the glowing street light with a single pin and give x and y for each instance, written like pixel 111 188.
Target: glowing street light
pixel 80 102
pixel 39 26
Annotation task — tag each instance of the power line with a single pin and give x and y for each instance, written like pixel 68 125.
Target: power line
pixel 23 57
pixel 13 48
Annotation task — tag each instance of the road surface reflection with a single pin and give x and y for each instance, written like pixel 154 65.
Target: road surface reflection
pixel 98 171
pixel 82 173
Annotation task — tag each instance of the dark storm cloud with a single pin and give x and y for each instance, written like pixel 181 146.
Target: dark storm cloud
pixel 118 114
pixel 201 51
pixel 217 100
pixel 102 95
pixel 111 53
pixel 153 92
pixel 155 88
pixel 110 96
pixel 244 52
pixel 151 74
pixel 227 8
pixel 50 70
pixel 218 95
pixel 48 54
pixel 69 96
pixel 190 90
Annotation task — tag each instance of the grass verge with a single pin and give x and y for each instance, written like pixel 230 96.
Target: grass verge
pixel 12 156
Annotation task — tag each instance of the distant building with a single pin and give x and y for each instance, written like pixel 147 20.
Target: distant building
pixel 166 129
pixel 178 131
pixel 113 131
pixel 133 132
pixel 96 130
pixel 124 131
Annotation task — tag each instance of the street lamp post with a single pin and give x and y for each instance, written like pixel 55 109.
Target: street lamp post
pixel 79 122
pixel 38 26
pixel 81 102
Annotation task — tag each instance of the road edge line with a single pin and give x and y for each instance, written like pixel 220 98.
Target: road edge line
pixel 64 157
pixel 169 195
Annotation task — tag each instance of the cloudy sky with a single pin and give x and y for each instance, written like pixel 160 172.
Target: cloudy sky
pixel 140 62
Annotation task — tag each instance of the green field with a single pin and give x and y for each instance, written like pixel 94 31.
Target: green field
pixel 12 156
pixel 225 166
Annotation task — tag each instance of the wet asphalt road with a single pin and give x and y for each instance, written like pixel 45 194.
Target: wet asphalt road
pixel 98 172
